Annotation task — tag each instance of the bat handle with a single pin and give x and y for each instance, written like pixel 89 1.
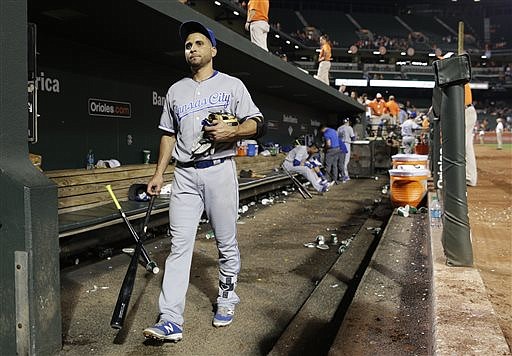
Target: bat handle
pixel 148 213
pixel 109 188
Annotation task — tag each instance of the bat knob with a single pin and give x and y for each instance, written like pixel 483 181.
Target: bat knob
pixel 152 267
pixel 116 326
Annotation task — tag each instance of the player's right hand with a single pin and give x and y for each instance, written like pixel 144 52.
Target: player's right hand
pixel 155 185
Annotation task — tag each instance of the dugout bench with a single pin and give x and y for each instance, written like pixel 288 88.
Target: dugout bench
pixel 85 207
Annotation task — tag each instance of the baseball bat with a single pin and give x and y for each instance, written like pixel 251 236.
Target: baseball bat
pixel 125 293
pixel 150 264
pixel 302 190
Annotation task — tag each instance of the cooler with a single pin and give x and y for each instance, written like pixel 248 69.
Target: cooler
pixel 410 160
pixel 408 186
pixel 252 148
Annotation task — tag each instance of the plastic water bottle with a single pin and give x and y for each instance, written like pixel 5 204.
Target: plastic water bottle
pixel 435 213
pixel 90 160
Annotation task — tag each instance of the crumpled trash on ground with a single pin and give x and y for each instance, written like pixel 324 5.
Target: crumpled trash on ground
pixel 345 243
pixel 319 243
pixel 407 210
pixel 95 288
pixel 243 209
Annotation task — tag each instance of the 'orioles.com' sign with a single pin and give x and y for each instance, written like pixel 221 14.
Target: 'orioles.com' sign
pixel 102 107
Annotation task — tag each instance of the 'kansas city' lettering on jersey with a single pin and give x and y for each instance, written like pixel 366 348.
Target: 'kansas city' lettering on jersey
pixel 219 101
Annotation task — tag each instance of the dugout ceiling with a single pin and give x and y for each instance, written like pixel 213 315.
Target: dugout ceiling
pixel 147 30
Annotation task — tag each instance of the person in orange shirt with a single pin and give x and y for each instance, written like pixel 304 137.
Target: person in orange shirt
pixel 393 110
pixel 425 123
pixel 378 108
pixel 324 59
pixel 257 22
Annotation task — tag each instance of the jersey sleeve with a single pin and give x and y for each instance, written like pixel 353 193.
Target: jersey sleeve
pixel 244 107
pixel 167 120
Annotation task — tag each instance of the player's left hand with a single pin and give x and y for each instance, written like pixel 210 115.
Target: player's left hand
pixel 219 131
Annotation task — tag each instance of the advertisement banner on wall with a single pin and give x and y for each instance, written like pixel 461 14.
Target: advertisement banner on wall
pixel 109 108
pixel 272 125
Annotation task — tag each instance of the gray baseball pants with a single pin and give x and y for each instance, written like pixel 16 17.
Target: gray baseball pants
pixel 310 175
pixel 214 189
pixel 332 159
pixel 346 160
pixel 470 117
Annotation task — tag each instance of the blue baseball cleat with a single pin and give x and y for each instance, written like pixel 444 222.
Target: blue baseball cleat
pixel 164 330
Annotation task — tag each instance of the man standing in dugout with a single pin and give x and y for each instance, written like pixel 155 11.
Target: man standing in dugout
pixel 205 177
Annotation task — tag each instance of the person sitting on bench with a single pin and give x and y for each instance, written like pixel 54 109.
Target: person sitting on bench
pixel 297 161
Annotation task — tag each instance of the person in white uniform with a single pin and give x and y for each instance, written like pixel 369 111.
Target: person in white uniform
pixel 499 133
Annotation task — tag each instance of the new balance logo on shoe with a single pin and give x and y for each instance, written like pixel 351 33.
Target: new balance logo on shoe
pixel 164 330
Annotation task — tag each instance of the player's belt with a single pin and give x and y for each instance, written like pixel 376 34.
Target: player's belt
pixel 200 164
pixel 469 105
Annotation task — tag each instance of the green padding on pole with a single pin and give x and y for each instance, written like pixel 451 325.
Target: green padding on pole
pixel 453 71
pixel 451 75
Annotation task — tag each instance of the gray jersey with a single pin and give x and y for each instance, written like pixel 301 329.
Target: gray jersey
pixel 188 102
pixel 408 128
pixel 299 153
pixel 346 133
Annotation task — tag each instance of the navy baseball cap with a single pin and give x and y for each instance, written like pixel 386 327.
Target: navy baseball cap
pixel 189 27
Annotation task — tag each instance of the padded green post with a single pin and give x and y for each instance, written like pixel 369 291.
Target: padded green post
pixel 451 75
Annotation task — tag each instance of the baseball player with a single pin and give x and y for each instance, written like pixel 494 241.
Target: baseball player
pixel 408 137
pixel 346 135
pixel 499 133
pixel 298 161
pixel 201 182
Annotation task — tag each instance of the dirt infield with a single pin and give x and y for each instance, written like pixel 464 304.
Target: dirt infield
pixel 490 216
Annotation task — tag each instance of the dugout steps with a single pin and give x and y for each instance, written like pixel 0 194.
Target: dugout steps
pixel 456 296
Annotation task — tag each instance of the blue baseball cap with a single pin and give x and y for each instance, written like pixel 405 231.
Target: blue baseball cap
pixel 189 27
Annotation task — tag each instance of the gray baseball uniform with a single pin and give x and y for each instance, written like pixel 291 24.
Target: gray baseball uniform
pixel 346 134
pixel 408 138
pixel 300 154
pixel 210 185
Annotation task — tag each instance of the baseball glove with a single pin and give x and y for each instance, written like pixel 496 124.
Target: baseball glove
pixel 203 145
